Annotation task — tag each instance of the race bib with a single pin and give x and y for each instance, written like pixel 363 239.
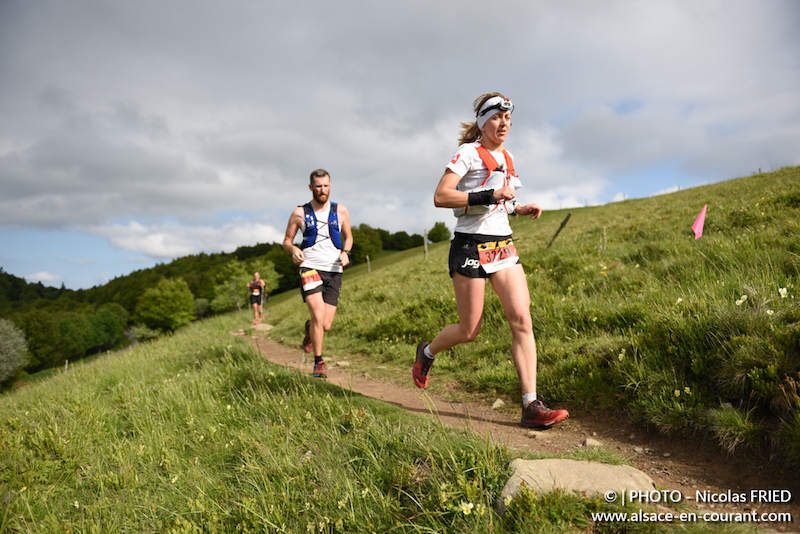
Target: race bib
pixel 256 292
pixel 310 280
pixel 497 255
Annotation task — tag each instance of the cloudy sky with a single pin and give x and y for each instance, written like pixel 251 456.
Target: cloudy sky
pixel 136 132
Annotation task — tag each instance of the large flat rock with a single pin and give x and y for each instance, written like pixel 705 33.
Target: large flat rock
pixel 544 476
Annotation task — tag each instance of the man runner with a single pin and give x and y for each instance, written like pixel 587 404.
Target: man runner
pixel 322 256
pixel 257 288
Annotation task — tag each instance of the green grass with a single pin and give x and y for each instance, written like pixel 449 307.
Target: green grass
pixel 196 432
pixel 630 313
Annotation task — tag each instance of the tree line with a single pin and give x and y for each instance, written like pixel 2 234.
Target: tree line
pixel 59 324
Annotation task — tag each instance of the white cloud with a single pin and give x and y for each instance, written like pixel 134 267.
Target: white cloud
pixel 172 240
pixel 42 277
pixel 181 114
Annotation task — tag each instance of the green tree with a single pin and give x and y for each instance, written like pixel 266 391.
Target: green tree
pixel 417 240
pixel 13 350
pixel 439 232
pixel 167 306
pixel 200 307
pixel 399 241
pixel 285 268
pixel 43 337
pixel 366 242
pixel 122 314
pixel 77 336
pixel 107 330
pixel 231 289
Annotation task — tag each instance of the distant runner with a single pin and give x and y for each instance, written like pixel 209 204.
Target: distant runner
pixel 480 185
pixel 257 288
pixel 322 256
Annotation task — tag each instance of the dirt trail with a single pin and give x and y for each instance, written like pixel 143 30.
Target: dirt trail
pixel 686 465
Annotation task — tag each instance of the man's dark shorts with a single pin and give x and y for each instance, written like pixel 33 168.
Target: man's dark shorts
pixel 331 284
pixel 464 258
pixel 255 299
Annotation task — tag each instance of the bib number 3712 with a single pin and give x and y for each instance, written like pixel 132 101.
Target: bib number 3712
pixel 497 255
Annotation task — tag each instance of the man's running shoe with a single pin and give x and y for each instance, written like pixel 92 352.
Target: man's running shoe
pixel 307 346
pixel 538 415
pixel 419 372
pixel 319 370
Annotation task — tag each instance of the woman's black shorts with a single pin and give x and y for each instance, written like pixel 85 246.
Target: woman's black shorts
pixel 464 258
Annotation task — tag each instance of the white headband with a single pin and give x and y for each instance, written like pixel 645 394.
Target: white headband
pixel 493 106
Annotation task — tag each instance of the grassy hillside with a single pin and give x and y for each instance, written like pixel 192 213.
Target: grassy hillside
pixel 631 313
pixel 196 432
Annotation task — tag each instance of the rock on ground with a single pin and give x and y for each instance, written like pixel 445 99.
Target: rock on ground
pixel 544 476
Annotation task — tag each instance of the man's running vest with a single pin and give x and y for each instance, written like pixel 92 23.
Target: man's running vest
pixel 310 233
pixel 255 287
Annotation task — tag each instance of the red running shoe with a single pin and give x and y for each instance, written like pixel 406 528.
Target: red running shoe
pixel 319 370
pixel 419 372
pixel 538 415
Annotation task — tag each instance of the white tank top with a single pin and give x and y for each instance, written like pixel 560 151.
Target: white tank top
pixel 322 255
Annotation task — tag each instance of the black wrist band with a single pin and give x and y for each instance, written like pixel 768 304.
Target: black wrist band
pixel 348 254
pixel 481 198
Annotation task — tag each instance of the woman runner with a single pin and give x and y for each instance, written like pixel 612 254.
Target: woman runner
pixel 480 185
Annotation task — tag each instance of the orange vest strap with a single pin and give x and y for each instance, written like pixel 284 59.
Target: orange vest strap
pixel 491 163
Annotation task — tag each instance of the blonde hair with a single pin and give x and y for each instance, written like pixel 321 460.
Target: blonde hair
pixel 469 130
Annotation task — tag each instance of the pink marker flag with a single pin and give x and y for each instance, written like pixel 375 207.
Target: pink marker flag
pixel 698 223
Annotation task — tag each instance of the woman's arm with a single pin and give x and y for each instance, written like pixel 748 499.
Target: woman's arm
pixel 447 196
pixel 529 209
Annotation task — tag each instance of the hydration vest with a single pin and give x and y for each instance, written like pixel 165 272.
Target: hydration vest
pixel 255 287
pixel 491 166
pixel 491 163
pixel 310 233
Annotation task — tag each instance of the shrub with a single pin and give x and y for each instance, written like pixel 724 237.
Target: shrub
pixel 167 306
pixel 143 333
pixel 439 232
pixel 789 438
pixel 13 350
pixel 366 242
pixel 43 338
pixel 77 336
pixel 734 428
pixel 200 307
pixel 117 309
pixel 107 329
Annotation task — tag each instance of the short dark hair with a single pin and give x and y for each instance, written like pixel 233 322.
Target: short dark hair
pixel 319 173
